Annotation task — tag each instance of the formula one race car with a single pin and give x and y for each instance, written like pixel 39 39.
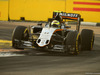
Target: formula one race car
pixel 55 35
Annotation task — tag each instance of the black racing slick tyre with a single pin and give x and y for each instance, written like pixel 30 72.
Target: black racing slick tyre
pixel 72 43
pixel 19 33
pixel 87 39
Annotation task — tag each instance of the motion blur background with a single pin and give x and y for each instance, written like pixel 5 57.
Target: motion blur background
pixel 41 10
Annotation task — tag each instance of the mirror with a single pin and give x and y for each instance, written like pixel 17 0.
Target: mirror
pixel 39 24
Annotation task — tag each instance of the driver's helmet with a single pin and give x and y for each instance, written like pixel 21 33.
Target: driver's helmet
pixel 55 23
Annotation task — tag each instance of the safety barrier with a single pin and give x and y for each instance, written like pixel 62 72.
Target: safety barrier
pixel 41 10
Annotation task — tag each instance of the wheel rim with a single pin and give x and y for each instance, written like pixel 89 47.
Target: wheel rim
pixel 71 49
pixel 92 42
pixel 25 35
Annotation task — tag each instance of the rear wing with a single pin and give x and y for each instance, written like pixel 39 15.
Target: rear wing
pixel 69 16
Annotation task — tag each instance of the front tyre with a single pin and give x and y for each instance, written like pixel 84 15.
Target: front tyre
pixel 20 33
pixel 72 43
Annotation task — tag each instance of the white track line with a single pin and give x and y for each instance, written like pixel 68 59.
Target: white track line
pixel 9 54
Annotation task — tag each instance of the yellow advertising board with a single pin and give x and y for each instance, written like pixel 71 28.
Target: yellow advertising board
pixel 41 10
pixel 35 10
pixel 89 9
pixel 4 10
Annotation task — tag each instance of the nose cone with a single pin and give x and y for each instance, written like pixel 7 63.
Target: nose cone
pixel 45 37
pixel 42 42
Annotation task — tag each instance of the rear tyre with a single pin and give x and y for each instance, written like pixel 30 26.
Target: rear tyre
pixel 20 33
pixel 72 43
pixel 87 39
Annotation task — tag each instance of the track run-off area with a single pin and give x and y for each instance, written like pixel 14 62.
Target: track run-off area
pixel 34 62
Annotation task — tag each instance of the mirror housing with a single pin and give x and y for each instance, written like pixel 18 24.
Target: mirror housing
pixel 39 24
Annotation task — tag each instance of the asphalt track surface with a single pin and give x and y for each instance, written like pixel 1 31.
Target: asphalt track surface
pixel 32 62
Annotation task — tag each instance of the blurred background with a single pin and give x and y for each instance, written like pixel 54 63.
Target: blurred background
pixel 41 10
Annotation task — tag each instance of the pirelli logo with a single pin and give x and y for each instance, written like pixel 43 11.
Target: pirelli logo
pixel 86 9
